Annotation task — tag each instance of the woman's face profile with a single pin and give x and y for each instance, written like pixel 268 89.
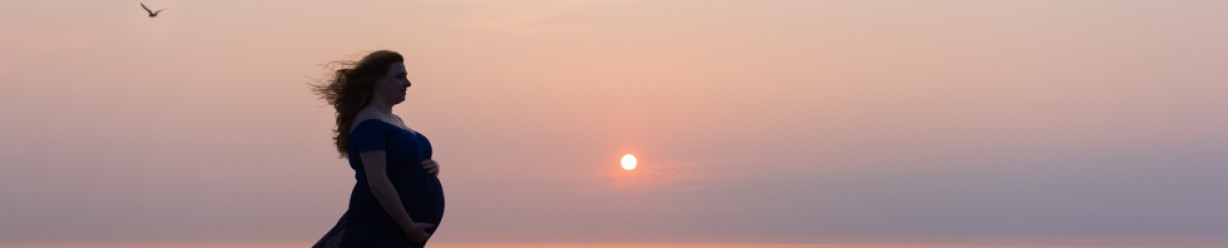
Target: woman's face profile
pixel 394 83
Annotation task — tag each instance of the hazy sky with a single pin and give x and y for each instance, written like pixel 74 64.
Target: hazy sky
pixel 754 121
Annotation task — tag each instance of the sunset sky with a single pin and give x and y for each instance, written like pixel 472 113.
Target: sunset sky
pixel 777 121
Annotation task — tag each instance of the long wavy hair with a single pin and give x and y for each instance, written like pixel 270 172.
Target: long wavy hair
pixel 351 87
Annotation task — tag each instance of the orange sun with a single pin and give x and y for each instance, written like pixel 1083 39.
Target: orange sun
pixel 629 162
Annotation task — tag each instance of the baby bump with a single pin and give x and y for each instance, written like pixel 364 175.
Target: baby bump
pixel 423 198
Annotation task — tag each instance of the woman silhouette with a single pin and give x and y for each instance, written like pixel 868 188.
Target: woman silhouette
pixel 397 200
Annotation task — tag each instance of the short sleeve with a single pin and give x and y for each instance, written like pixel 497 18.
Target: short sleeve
pixel 427 147
pixel 368 136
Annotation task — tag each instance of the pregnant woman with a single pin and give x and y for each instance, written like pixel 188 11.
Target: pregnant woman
pixel 397 200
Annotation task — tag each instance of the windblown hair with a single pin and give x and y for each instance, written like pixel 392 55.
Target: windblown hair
pixel 351 87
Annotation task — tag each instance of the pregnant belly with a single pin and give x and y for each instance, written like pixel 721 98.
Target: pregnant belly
pixel 423 199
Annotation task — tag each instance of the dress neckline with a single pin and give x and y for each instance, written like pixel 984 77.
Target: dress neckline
pixel 406 129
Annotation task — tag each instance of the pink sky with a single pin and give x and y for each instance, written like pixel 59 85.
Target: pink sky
pixel 754 121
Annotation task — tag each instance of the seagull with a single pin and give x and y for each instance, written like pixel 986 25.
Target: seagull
pixel 152 13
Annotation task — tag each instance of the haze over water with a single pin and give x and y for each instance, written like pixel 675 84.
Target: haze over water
pixel 605 245
pixel 834 124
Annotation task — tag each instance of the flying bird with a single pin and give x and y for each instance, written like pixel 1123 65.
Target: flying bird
pixel 152 13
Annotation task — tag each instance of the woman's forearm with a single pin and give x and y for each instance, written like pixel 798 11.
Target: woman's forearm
pixel 375 164
pixel 387 196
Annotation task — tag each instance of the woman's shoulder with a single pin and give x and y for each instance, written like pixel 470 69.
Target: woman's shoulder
pixel 367 135
pixel 364 117
pixel 365 122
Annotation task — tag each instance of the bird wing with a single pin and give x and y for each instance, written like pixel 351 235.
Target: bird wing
pixel 159 11
pixel 146 9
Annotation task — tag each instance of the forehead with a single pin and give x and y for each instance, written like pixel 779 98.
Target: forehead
pixel 396 68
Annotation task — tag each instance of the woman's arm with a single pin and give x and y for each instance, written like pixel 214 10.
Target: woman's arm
pixel 431 166
pixel 375 164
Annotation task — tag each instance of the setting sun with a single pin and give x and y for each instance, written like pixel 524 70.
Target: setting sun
pixel 629 162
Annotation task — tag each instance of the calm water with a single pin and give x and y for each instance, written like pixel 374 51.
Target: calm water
pixel 593 245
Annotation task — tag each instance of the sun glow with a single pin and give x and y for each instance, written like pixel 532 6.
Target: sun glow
pixel 629 162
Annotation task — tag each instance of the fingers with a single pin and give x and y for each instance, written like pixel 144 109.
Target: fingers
pixel 420 235
pixel 431 166
pixel 433 171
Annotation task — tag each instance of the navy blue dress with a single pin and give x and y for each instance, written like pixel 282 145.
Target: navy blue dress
pixel 366 224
